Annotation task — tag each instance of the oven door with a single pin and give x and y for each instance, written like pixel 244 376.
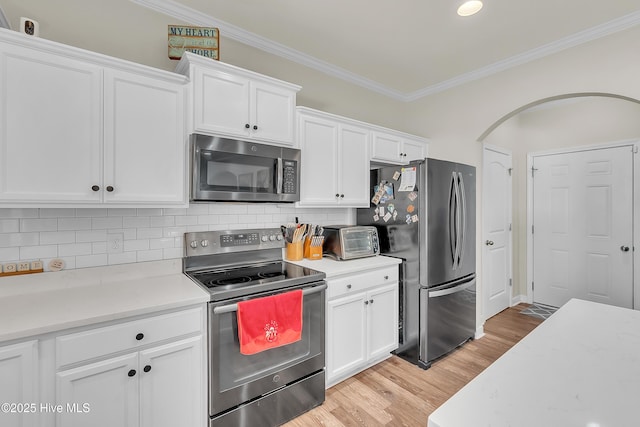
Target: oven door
pixel 235 378
pixel 225 169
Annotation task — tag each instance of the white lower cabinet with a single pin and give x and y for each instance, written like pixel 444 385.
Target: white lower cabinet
pixel 157 382
pixel 362 321
pixel 19 384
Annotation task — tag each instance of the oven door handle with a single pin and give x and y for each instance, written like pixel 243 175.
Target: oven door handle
pixel 234 307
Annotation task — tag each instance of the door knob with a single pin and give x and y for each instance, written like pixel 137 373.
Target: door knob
pixel 624 248
pixel 489 243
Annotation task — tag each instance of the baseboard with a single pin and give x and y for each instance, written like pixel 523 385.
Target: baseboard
pixel 479 332
pixel 518 299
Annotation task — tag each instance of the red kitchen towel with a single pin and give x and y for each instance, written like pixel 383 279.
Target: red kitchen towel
pixel 269 322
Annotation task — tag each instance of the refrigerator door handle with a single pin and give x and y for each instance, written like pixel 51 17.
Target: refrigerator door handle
pixel 463 227
pixel 453 239
pixel 448 290
pixel 456 262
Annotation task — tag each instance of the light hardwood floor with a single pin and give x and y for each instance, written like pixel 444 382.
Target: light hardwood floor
pixel 397 393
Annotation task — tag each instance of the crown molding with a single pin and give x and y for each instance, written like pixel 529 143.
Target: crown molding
pixel 195 17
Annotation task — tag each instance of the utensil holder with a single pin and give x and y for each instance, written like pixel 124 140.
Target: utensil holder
pixel 294 251
pixel 313 251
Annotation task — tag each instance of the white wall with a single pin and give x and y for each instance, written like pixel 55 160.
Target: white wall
pixel 79 236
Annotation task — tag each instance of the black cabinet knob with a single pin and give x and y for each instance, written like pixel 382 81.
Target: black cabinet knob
pixel 255 127
pixel 342 196
pixel 247 125
pixel 131 373
pixel 139 336
pixel 147 368
pixel 109 189
pixel 337 195
pixel 95 188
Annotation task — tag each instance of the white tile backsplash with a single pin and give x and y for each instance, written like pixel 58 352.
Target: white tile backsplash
pixel 79 236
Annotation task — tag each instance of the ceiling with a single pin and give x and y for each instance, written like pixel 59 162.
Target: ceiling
pixel 404 49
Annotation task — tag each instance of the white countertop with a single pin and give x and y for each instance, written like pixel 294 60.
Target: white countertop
pixel 580 367
pixel 333 268
pixel 41 303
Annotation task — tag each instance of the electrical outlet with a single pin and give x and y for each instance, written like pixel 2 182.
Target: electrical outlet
pixel 23 266
pixel 9 268
pixel 115 243
pixel 36 265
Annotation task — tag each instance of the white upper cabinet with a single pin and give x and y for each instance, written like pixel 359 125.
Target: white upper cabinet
pixel 50 140
pixel 236 103
pixel 396 148
pixel 335 161
pixel 145 140
pixel 81 129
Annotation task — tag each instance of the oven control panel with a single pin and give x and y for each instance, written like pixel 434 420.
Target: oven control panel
pixel 215 242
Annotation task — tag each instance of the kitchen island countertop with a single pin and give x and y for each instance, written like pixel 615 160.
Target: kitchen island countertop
pixel 580 367
pixel 333 268
pixel 37 304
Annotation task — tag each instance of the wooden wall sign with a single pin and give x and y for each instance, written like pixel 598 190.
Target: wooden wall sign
pixel 199 40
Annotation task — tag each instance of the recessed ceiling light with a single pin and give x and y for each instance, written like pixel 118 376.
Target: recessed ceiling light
pixel 470 7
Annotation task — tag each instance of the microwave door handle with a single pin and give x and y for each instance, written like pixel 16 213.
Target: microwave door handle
pixel 279 176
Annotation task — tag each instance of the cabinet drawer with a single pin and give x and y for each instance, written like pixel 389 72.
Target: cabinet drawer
pixel 361 281
pixel 103 341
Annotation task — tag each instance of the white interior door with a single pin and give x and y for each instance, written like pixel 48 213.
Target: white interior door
pixel 583 227
pixel 496 230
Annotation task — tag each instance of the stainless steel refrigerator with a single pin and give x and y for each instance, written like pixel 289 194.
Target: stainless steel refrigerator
pixel 425 215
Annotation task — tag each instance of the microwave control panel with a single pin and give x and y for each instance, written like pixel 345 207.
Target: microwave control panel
pixel 289 177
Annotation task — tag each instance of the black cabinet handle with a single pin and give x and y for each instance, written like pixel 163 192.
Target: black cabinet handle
pixel 131 373
pixel 139 336
pixel 147 368
pixel 109 189
pixel 255 127
pixel 247 125
pixel 95 188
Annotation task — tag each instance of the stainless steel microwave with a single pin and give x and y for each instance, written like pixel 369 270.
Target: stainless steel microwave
pixel 234 170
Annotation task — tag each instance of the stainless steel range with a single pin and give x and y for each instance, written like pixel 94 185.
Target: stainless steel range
pixel 275 385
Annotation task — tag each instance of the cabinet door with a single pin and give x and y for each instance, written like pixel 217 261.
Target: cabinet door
pixel 319 177
pixel 382 321
pixel 19 383
pixel 51 136
pixel 272 113
pixel 221 103
pixel 171 385
pixel 110 388
pixel 346 335
pixel 353 174
pixel 386 148
pixel 145 140
pixel 414 150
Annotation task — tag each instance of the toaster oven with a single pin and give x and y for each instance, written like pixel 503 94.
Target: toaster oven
pixel 345 242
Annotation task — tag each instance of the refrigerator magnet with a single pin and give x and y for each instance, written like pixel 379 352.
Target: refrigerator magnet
pixel 391 207
pixel 396 175
pixel 376 218
pixel 387 217
pixel 412 196
pixel 395 215
pixel 414 218
pixel 411 208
